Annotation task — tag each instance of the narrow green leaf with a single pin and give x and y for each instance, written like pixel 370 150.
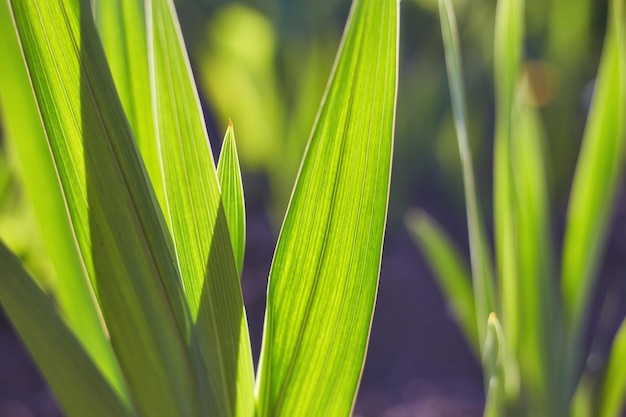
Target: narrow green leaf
pixel 122 28
pixel 612 394
pixel 452 274
pixel 113 210
pixel 26 135
pixel 197 218
pixel 324 276
pixel 493 363
pixel 507 56
pixel 78 385
pixel 597 175
pixel 229 175
pixel 482 272
pixel 538 311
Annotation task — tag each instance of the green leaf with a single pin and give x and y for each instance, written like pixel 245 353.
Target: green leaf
pixel 452 274
pixel 597 175
pixel 122 28
pixel 229 175
pixel 113 210
pixel 26 135
pixel 612 389
pixel 78 385
pixel 324 275
pixel 482 272
pixel 493 362
pixel 197 218
pixel 539 323
pixel 507 56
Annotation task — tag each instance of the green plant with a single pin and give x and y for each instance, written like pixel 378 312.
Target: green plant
pixel 146 236
pixel 527 329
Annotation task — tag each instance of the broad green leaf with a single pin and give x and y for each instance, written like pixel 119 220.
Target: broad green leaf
pixel 76 381
pixel 538 308
pixel 122 28
pixel 113 209
pixel 197 218
pixel 597 175
pixel 612 394
pixel 324 275
pixel 507 55
pixel 452 274
pixel 26 135
pixel 482 272
pixel 229 175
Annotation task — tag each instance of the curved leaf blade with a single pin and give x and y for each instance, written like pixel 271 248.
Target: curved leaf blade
pixel 324 276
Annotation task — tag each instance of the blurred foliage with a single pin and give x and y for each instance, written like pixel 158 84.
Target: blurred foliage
pixel 278 54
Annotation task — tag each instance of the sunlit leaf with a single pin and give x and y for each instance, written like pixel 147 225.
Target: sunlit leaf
pixel 229 174
pixel 324 275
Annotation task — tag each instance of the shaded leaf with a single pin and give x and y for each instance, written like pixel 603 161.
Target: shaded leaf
pixel 78 385
pixel 198 222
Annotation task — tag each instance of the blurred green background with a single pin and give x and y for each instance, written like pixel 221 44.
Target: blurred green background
pixel 264 64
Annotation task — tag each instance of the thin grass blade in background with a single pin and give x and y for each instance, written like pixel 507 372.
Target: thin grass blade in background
pixel 120 233
pixel 452 274
pixel 122 28
pixel 26 136
pixel 324 276
pixel 77 383
pixel 596 179
pixel 482 269
pixel 229 175
pixel 197 219
pixel 539 339
pixel 507 56
pixel 612 388
pixel 493 360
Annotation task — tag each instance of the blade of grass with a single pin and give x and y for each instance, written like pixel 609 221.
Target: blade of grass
pixel 26 136
pixel 113 209
pixel 538 321
pixel 76 381
pixel 612 388
pixel 493 363
pixel 229 175
pixel 324 275
pixel 197 219
pixel 482 272
pixel 596 179
pixel 122 28
pixel 507 56
pixel 452 274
